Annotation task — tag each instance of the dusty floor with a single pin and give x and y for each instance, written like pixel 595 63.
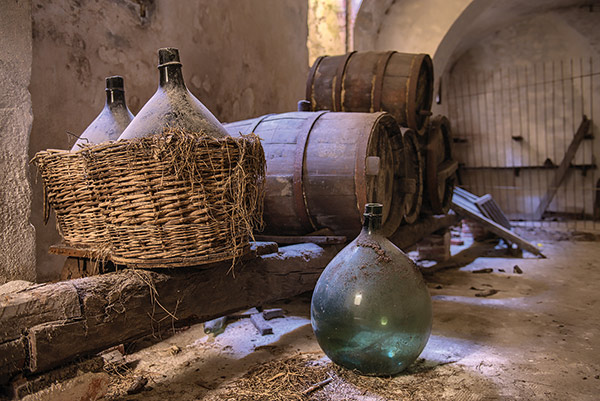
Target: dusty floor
pixel 537 338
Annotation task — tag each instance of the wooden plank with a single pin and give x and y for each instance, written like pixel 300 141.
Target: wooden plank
pixel 408 235
pixel 490 209
pixel 496 229
pixel 255 249
pixel 34 305
pixel 485 205
pixel 121 306
pixel 269 314
pixel 261 324
pixel 12 358
pixel 465 194
pixel 297 239
pixel 560 174
pixel 65 250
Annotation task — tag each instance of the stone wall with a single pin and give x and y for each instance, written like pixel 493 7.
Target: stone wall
pixel 240 58
pixel 17 247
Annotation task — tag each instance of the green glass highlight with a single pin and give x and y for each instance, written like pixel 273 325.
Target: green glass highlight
pixel 371 310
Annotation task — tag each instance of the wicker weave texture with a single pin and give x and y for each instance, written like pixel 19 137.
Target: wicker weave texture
pixel 69 190
pixel 179 195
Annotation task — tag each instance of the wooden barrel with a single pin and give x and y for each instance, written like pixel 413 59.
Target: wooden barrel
pixel 414 171
pixel 440 168
pixel 323 167
pixel 399 83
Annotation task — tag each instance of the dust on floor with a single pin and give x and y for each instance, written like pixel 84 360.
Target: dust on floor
pixel 535 337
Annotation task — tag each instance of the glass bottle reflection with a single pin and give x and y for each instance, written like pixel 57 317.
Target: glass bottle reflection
pixel 371 310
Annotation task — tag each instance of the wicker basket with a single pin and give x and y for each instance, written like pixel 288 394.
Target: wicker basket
pixel 179 197
pixel 69 190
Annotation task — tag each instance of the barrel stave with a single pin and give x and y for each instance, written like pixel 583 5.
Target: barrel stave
pixel 399 83
pixel 330 149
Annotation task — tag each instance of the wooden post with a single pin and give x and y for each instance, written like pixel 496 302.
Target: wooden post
pixel 561 172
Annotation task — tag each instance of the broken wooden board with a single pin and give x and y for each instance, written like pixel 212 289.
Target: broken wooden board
pixel 119 307
pixel 560 174
pixel 66 250
pixel 465 210
pixel 484 204
pixel 490 209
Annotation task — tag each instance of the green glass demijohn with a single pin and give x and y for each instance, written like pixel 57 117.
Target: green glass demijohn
pixel 371 310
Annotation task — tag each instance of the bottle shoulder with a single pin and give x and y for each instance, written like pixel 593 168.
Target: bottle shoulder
pixel 107 126
pixel 372 251
pixel 175 107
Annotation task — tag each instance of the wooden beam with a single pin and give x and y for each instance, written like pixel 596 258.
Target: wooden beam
pixel 45 344
pixel 12 358
pixel 560 174
pixel 301 239
pixel 35 305
pixel 408 235
pixel 118 307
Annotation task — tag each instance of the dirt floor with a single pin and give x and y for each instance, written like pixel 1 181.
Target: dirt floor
pixel 501 335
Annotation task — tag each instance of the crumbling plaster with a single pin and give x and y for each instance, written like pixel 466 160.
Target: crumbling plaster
pixel 17 236
pixel 326 28
pixel 240 58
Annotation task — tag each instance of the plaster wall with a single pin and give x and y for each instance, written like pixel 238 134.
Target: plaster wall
pixel 533 79
pixel 445 29
pixel 17 235
pixel 240 58
pixel 502 69
pixel 418 26
pixel 367 23
pixel 326 28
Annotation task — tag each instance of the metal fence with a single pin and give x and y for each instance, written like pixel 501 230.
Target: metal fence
pixel 512 128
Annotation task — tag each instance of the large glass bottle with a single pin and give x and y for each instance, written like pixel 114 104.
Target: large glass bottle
pixel 173 105
pixel 112 120
pixel 371 310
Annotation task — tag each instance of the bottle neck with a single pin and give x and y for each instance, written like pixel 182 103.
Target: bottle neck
pixel 115 97
pixel 372 223
pixel 171 75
